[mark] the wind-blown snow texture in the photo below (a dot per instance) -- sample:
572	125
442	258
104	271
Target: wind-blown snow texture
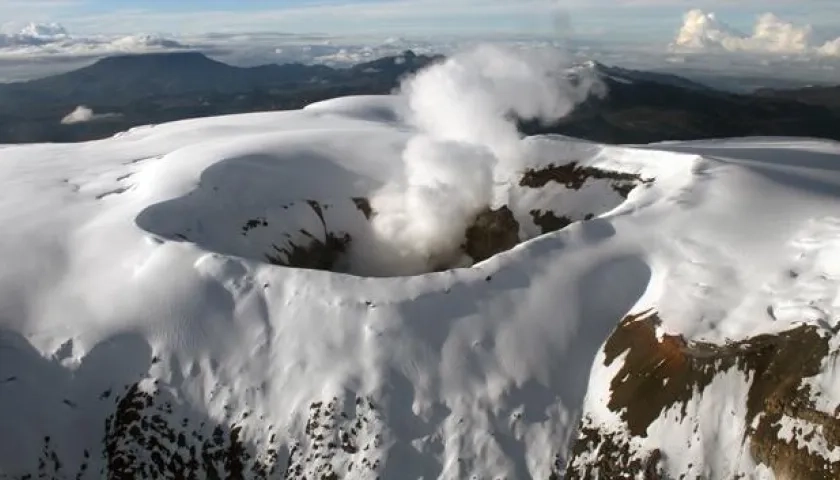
147	330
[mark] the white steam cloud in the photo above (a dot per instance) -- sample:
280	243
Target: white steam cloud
470	98
420	223
703	31
465	111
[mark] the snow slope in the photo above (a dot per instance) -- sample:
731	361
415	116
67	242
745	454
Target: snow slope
148	329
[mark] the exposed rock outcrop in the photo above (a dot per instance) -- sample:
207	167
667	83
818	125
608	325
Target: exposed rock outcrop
492	232
574	176
660	372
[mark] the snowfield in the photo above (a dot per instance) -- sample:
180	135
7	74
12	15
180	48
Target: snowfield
154	322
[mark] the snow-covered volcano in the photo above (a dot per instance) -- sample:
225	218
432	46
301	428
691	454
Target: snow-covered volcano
354	290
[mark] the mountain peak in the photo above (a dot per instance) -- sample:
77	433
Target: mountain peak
190	58
615	74
594	65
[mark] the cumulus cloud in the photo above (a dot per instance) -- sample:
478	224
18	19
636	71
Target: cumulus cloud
52	39
34	34
831	48
83	114
703	31
44	31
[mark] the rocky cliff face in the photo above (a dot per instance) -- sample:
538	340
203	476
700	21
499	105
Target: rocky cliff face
660	379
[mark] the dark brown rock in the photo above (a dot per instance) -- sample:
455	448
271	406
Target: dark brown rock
549	222
659	373
492	232
573	177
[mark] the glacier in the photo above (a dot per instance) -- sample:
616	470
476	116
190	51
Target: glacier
154	322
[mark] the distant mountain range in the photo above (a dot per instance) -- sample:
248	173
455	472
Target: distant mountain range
826	96
644	107
118	80
641	107
155	88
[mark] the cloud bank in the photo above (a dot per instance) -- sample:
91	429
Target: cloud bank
45	39
703	31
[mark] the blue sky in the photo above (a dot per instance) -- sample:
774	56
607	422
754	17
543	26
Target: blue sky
641	20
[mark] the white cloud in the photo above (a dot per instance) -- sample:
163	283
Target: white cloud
49	49
52	39
144	42
831	48
59	50
34	34
83	114
44	31
703	31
